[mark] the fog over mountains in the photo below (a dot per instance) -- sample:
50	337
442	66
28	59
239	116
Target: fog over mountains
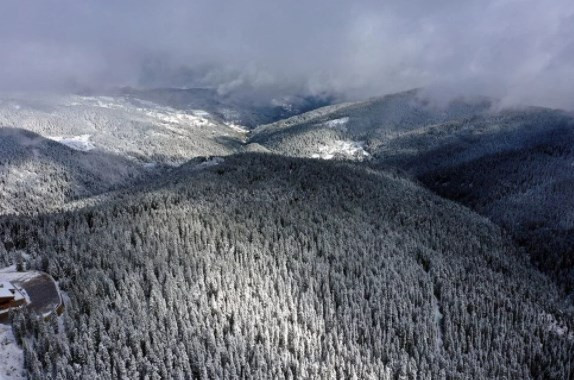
518	51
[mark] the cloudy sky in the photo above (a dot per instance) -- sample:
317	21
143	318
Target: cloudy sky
519	50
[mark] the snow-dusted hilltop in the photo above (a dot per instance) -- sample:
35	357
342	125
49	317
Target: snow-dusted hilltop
131	128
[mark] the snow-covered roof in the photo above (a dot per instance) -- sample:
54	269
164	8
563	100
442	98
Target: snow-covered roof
7	290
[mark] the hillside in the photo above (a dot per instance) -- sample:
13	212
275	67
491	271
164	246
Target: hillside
60	148
39	174
135	129
513	166
247	108
363	126
109	142
266	266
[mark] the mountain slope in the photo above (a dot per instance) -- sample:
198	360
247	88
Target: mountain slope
38	174
512	165
60	148
367	124
248	108
264	266
138	130
516	169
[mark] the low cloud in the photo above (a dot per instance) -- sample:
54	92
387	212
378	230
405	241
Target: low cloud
521	51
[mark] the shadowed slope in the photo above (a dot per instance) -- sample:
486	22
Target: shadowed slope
37	174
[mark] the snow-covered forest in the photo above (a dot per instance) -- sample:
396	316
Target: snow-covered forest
341	246
264	266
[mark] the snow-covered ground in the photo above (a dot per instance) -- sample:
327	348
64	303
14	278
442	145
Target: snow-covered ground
347	149
181	118
201	113
81	142
237	128
153	111
337	122
11	355
437	315
125	127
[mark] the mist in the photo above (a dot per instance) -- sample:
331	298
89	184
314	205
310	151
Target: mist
521	51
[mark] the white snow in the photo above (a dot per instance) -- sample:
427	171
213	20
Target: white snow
11	355
201	113
6	289
337	122
108	104
9	290
348	149
437	315
81	142
179	118
159	114
237	128
11	275
94	101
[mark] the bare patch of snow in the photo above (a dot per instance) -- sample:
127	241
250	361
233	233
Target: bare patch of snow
237	128
346	149
95	101
108	103
337	122
437	316
179	118
11	355
201	113
81	142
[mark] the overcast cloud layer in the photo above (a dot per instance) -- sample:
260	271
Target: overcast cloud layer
518	50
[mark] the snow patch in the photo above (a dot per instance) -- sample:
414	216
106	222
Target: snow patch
99	102
11	355
201	113
437	316
81	142
180	118
336	122
346	149
237	128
